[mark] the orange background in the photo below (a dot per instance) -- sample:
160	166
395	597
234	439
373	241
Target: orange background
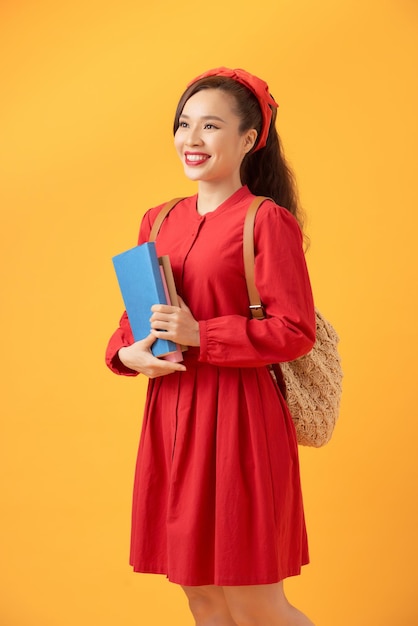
88	92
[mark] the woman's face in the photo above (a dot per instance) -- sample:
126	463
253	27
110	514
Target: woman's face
208	140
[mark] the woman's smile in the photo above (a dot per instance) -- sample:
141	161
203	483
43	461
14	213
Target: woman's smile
195	158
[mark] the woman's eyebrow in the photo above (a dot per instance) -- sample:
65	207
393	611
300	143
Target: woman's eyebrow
205	117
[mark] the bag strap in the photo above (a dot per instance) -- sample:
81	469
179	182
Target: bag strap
164	211
256	307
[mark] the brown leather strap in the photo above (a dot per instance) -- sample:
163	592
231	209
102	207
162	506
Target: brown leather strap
256	307
164	211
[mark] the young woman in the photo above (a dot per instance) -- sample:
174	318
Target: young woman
217	501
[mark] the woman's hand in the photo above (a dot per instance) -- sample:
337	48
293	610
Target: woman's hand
175	323
138	357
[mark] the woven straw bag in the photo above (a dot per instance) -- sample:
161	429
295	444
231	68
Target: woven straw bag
314	381
314	386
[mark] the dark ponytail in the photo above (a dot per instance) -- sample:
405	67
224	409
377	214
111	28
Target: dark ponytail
264	171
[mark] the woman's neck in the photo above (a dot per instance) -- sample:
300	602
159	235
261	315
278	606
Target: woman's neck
210	196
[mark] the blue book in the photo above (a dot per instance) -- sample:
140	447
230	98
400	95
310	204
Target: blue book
141	284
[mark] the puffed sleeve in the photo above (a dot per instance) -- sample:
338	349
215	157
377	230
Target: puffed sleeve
123	334
282	280
120	338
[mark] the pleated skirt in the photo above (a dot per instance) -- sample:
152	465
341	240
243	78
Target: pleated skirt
217	497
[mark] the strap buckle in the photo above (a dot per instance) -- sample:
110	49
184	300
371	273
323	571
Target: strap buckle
257	311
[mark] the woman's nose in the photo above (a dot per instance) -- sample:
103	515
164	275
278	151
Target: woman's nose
193	137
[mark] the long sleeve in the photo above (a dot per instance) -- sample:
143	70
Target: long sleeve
120	338
288	331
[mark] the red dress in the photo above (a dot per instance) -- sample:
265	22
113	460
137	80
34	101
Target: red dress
217	496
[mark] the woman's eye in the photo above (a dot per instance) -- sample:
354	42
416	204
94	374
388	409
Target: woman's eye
182	124
210	126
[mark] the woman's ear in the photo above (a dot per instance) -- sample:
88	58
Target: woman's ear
250	139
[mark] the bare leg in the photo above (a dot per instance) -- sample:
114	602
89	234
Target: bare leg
262	605
208	606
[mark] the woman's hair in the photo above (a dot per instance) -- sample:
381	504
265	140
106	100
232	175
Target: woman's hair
264	171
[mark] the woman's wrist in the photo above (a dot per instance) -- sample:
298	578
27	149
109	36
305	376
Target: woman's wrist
197	332
122	355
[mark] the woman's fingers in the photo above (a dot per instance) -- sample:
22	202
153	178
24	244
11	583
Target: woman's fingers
166	321
175	323
148	341
138	357
165	309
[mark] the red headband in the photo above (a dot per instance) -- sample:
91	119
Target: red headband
257	86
